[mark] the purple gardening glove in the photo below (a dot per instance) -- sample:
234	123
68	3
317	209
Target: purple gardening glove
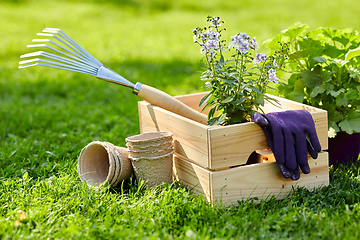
290	134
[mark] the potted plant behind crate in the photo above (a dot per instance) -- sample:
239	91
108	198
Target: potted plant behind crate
324	72
236	76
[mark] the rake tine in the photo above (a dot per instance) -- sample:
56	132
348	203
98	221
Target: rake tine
88	70
75	44
58	51
58	58
85	60
56	65
62	41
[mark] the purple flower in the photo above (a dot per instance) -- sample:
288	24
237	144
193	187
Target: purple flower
215	21
260	57
272	76
212	45
240	42
254	43
210	35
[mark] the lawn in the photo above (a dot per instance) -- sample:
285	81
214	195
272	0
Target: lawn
47	116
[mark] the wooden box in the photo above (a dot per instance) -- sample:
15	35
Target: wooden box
207	154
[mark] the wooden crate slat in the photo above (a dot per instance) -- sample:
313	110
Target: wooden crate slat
257	180
190	137
194	176
264	180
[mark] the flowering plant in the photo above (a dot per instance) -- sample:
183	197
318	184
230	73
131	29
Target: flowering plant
324	67
237	84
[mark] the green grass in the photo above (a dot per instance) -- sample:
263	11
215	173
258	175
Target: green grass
47	116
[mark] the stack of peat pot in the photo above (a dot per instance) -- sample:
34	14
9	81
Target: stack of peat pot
151	155
101	162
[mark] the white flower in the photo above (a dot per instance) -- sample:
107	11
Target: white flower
240	42
275	64
272	76
212	45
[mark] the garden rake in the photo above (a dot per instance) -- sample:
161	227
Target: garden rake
71	56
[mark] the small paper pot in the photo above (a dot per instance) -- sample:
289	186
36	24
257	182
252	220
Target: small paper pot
99	162
146	146
149	140
151	152
154	170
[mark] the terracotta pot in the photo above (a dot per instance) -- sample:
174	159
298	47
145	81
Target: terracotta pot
344	148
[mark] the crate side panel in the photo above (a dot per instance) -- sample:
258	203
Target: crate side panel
190	137
232	145
193	176
264	180
193	100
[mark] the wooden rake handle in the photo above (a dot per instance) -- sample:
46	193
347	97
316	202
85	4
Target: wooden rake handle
159	98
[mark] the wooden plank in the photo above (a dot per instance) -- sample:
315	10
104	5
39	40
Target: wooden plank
190	137
193	176
193	100
232	145
264	179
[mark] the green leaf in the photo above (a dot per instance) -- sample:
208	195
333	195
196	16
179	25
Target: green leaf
341	101
205	99
228	99
352	53
295	30
255	89
351	94
298	93
311	78
320	59
260	99
330	32
335	93
217	120
316	91
240	101
334	116
222	60
212	113
351	123
273	43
